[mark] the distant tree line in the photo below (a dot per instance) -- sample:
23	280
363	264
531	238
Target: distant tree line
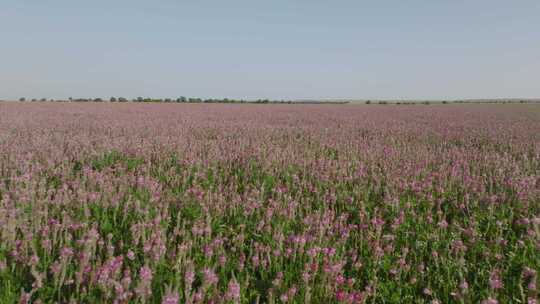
181	99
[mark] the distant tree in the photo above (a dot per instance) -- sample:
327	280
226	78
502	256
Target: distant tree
112	99
22	99
140	99
368	102
98	99
122	99
43	99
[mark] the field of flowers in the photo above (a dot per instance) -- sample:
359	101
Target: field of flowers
195	203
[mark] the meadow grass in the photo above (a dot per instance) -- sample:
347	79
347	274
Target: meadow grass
271	204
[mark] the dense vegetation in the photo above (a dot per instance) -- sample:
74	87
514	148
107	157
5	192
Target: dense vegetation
158	203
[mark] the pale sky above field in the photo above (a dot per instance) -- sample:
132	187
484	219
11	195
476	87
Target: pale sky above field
270	49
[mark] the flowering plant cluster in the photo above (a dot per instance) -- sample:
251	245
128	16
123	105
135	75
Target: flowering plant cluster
197	203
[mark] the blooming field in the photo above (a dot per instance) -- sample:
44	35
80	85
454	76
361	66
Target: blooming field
160	203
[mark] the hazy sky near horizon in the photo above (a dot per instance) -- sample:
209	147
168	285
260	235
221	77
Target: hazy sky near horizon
270	49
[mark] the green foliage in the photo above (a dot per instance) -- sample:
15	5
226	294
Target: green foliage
112	159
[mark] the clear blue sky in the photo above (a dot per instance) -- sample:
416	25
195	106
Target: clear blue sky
270	49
